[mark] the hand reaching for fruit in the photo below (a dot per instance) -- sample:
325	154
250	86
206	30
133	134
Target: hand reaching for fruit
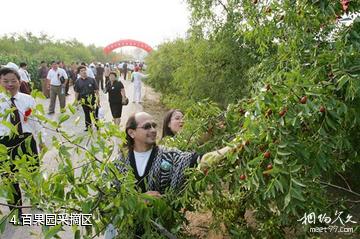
211	158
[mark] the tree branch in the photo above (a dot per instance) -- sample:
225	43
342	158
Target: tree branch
15	206
341	188
225	8
344	181
163	230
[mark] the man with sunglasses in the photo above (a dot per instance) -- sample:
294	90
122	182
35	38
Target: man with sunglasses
156	168
161	167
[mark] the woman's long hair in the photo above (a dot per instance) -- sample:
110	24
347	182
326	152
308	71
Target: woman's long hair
166	129
130	124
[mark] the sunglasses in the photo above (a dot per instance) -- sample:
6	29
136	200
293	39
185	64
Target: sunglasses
148	126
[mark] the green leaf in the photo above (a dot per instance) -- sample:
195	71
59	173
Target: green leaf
287	200
77	234
283	153
279	185
297	182
72	109
282	146
296	168
297	194
53	231
254	161
63	118
278	161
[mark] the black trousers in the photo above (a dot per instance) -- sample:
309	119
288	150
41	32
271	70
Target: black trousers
67	87
88	109
100	83
124	73
13	144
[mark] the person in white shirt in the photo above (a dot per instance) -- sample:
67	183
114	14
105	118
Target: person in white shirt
25	86
137	78
58	79
26	128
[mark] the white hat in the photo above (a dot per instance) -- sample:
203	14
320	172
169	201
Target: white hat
12	66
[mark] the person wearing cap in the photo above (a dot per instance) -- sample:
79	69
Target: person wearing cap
42	74
137	78
58	79
25	79
12	65
25	129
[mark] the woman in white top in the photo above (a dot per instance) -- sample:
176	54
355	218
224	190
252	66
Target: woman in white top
137	78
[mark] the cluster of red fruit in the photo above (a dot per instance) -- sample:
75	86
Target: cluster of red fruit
266	155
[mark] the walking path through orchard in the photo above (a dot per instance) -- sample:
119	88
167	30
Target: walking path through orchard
49	162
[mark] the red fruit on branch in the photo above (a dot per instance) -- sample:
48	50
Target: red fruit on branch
206	171
242	177
28	112
242	111
267	154
322	109
303	100
282	113
269	166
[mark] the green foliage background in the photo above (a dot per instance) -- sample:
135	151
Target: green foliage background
34	49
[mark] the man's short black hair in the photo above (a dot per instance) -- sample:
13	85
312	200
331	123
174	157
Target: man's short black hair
81	67
113	73
5	71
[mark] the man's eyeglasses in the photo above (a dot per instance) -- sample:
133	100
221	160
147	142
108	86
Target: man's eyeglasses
148	126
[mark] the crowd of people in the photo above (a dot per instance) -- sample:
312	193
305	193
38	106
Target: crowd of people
57	77
155	167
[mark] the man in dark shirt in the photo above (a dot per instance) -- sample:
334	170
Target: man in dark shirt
42	72
100	76
124	70
87	91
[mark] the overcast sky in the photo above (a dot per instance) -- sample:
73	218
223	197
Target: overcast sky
97	22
